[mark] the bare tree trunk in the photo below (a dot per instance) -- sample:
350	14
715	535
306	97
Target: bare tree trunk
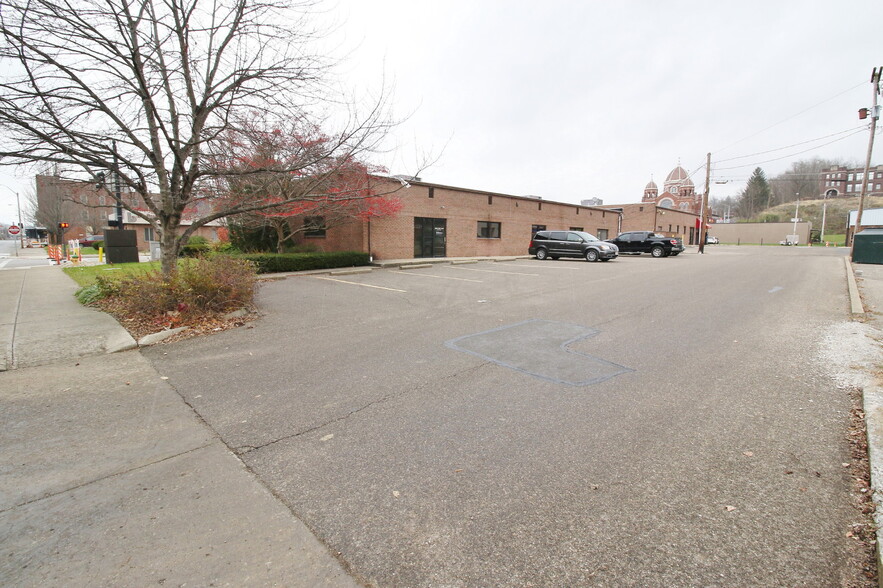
280	237
170	246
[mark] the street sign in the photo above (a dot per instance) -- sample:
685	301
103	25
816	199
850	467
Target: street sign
795	220
13	230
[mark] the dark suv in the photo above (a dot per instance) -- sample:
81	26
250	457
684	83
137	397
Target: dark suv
557	244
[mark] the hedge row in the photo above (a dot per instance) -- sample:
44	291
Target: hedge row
268	263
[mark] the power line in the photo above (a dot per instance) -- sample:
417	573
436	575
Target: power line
862	83
793	144
793	154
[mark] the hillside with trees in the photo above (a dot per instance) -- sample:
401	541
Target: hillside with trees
774	199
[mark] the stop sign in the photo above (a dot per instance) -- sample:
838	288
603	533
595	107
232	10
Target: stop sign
13	230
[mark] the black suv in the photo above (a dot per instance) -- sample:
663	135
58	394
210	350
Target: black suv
557	244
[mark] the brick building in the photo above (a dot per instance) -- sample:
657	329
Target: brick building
87	210
678	192
444	221
847	181
670	222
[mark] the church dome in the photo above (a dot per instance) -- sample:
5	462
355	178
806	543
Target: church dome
651	185
677	175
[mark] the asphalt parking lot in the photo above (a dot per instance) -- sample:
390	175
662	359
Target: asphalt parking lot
649	422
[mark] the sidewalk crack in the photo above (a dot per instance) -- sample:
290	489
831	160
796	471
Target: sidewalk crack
107	477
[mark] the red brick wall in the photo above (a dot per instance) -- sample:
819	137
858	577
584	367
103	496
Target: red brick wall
649	217
393	238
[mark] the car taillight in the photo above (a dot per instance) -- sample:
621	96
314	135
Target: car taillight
674	242
531	243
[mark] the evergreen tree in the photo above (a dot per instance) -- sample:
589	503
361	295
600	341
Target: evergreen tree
756	195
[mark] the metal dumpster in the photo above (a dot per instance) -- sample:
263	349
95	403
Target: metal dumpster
868	247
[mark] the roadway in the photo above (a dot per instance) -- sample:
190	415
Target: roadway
641	422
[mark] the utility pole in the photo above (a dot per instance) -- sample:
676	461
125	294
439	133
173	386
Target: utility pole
703	215
875	114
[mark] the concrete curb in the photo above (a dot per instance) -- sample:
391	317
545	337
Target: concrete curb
155	338
855	299
119	341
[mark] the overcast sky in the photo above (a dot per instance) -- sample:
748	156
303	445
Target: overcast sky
571	100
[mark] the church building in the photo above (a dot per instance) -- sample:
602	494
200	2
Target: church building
678	192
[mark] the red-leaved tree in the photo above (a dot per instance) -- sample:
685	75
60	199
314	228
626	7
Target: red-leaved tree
297	180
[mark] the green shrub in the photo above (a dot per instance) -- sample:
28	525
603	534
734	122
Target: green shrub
197	240
98	290
97	245
268	263
253	240
302	248
194	250
224	247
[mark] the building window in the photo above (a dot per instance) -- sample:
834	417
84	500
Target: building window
602	234
534	229
850	177
640	209
149	234
490	200
431	192
849	188
314	226
577	229
488	230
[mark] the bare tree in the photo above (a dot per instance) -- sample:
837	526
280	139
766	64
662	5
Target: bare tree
148	88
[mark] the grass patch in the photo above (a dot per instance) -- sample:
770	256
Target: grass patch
88	275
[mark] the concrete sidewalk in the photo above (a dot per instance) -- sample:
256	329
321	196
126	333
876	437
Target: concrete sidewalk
109	478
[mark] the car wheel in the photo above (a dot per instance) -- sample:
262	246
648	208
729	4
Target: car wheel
542	254
657	251
591	255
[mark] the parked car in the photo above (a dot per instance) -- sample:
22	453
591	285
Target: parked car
711	240
638	242
557	244
90	240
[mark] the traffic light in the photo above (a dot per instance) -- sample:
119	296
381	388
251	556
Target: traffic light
63	225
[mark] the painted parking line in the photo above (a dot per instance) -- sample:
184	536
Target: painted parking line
469	269
546	266
419	275
358	284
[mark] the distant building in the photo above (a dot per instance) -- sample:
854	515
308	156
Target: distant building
872	218
592	202
88	209
847	181
678	192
